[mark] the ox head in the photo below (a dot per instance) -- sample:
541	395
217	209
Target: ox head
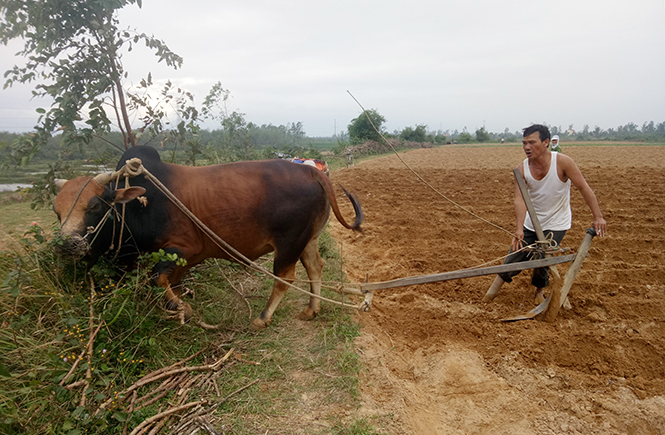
80	205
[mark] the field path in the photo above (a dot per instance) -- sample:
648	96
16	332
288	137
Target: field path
439	361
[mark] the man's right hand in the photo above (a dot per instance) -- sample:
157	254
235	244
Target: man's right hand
518	239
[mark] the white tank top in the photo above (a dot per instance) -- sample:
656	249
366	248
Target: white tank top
550	197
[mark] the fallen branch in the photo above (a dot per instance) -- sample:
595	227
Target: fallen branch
150	378
80	357
153	400
239	357
195	417
221	402
74	385
174	365
91	324
238	391
138	429
164	388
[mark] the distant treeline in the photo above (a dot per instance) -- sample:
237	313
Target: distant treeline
221	145
649	132
631	132
250	141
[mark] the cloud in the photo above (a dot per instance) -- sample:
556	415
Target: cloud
444	64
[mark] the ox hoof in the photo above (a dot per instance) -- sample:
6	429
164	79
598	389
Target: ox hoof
187	310
307	314
182	309
172	305
540	298
258	324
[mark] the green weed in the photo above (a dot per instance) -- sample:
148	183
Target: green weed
50	309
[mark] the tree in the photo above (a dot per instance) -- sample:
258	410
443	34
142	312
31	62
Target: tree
74	55
295	133
482	135
361	129
418	134
464	137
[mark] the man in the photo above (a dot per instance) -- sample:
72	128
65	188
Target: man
555	144
548	176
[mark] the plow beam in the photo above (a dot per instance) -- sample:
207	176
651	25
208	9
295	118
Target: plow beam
466	273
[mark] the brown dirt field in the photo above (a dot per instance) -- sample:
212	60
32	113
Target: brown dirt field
439	361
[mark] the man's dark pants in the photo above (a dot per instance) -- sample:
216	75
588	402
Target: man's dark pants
541	276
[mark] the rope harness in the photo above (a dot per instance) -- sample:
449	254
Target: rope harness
134	167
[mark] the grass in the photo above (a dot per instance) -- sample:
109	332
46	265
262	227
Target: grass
306	371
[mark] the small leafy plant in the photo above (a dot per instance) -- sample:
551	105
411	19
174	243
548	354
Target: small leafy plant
161	255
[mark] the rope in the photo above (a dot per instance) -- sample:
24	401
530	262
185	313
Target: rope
74	203
421	178
134	167
92	230
224	246
122	218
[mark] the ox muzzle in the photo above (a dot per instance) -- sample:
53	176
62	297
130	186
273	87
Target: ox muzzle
73	246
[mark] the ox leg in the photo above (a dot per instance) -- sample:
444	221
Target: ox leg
313	263
168	274
278	291
173	301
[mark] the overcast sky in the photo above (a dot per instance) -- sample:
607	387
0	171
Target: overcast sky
446	64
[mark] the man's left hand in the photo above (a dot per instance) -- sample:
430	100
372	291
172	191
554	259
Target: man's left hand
600	226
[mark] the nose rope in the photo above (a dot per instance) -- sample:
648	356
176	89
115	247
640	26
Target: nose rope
93	230
122	218
74	203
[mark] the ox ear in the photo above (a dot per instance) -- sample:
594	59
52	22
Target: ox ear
123	196
59	182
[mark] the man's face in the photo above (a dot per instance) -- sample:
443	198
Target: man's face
533	146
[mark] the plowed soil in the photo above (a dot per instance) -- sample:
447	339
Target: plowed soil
440	361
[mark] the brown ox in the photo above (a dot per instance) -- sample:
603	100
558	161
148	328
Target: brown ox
256	207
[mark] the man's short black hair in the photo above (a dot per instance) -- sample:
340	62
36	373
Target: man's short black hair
542	130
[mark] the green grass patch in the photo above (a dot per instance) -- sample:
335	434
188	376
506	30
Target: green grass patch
290	374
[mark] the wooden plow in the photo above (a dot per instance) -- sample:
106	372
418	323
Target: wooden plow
546	311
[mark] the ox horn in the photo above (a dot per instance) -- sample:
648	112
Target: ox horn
105	178
59	183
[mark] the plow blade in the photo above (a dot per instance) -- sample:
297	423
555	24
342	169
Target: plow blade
548	310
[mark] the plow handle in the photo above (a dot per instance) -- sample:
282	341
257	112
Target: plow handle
559	295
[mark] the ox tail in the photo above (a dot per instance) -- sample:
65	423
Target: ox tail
360	217
328	187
